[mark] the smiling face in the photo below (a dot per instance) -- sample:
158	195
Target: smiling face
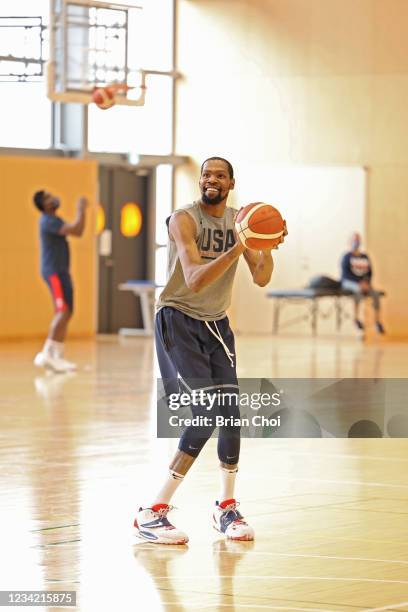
215	182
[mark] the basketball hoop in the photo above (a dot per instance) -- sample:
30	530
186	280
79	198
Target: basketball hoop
106	97
89	52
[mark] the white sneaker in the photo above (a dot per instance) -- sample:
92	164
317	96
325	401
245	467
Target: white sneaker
39	360
154	526
43	360
230	522
68	365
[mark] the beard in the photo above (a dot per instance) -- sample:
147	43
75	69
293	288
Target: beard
212	201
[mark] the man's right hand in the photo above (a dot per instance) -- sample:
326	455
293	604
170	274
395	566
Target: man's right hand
239	246
365	286
83	204
77	227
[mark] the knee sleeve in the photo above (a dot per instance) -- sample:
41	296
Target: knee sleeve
229	438
193	441
229	444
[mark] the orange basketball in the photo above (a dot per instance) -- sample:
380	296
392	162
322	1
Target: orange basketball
259	226
103	97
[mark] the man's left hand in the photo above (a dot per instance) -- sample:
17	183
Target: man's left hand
281	240
365	286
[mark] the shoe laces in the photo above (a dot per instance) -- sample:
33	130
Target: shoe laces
163	512
232	507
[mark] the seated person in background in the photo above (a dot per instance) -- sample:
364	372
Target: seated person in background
356	274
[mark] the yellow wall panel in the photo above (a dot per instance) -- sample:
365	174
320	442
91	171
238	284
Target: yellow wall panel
390	120
390	36
341	37
25	304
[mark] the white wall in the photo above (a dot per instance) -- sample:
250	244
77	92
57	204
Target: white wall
322	207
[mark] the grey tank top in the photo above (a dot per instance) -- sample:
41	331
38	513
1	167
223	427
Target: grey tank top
214	236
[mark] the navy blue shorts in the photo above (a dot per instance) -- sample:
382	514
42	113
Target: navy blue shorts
186	349
62	292
191	358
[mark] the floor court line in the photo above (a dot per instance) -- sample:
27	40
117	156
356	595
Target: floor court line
376	511
390	607
250	606
359	483
61	581
55	543
347	539
338	502
292	555
275	577
340	456
267	499
334	506
57	527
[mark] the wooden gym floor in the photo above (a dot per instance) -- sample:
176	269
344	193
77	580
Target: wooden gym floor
78	454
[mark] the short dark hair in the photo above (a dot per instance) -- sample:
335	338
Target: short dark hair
38	198
230	168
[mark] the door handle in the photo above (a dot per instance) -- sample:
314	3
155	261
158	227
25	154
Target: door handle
105	243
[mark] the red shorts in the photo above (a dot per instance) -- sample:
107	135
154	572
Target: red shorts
60	285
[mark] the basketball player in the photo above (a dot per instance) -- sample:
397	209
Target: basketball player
55	272
195	344
356	275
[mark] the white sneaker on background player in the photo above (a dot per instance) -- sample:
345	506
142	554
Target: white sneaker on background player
58	353
153	525
230	522
45	360
68	365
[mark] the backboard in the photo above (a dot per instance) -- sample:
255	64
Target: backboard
89	48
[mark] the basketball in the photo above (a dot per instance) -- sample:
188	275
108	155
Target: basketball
103	97
259	226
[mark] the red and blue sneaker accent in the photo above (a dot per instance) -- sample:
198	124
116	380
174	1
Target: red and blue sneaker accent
154	526
230	522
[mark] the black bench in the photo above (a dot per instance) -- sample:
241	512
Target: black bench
312	297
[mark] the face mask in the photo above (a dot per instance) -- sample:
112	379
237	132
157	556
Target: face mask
56	203
355	245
